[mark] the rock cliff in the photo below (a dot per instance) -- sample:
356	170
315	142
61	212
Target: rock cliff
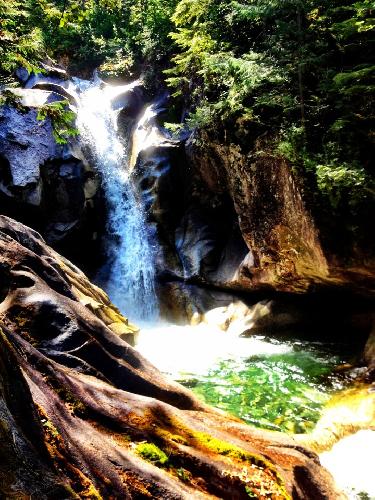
50	186
239	220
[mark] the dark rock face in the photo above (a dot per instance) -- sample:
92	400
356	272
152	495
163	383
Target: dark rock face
235	225
49	186
158	178
77	403
197	229
284	252
287	245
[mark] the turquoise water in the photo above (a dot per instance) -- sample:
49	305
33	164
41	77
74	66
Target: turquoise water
272	383
283	391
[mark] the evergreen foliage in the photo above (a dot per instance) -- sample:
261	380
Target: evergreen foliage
21	41
62	119
300	71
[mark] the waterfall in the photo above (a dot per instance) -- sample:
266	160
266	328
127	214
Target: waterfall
129	273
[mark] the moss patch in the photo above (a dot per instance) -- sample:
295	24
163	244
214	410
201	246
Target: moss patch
203	440
75	406
151	453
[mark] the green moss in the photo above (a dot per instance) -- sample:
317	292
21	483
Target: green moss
235	452
151	453
76	406
62	120
168	436
4	426
48	425
184	475
229	450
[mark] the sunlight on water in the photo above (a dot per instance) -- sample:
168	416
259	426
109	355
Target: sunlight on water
268	383
178	350
128	277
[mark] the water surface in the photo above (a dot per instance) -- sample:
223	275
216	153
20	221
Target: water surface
273	384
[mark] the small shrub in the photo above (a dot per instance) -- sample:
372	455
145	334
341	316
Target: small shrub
9	98
337	181
62	119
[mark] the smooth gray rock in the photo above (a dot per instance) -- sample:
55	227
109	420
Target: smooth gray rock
59	89
22	74
25	145
47	185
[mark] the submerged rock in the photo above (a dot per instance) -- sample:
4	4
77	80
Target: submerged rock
83	415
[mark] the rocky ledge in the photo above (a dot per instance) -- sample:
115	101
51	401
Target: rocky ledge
83	415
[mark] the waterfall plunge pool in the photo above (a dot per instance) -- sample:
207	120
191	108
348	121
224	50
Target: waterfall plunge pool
274	384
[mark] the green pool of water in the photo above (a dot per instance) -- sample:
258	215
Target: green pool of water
284	391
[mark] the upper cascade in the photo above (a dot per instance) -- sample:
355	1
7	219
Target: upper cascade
129	273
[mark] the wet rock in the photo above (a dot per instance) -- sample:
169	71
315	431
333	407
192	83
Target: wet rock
157	175
22	74
208	247
78	405
285	252
130	100
182	303
57	88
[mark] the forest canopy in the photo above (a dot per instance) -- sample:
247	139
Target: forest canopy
300	72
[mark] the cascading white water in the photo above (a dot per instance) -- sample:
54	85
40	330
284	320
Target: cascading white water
129	275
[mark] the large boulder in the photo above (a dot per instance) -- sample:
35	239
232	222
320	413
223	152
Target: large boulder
83	415
47	185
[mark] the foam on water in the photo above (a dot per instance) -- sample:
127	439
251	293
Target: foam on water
351	462
129	274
